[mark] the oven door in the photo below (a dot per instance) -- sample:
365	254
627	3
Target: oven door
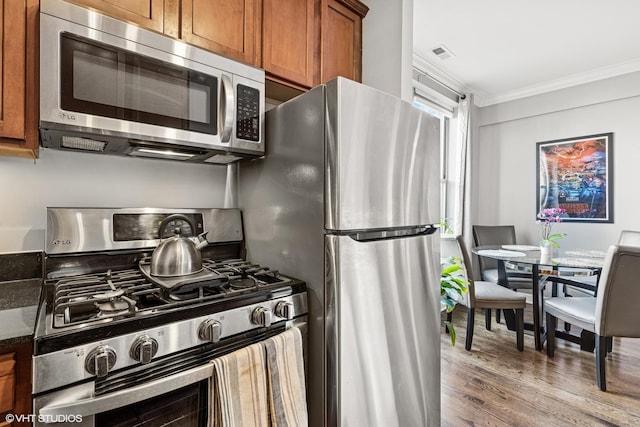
174	391
178	400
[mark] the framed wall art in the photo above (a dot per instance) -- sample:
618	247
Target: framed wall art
575	174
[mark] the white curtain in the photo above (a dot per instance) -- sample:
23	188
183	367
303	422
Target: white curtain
462	207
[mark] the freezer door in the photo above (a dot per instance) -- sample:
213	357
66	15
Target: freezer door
382	332
381	159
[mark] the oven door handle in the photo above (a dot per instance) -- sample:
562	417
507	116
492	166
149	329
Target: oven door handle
96	405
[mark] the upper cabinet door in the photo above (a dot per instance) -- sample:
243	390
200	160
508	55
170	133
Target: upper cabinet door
144	13
342	39
19	78
290	40
12	81
229	27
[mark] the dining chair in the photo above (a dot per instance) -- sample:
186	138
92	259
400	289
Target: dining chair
499	235
612	313
629	238
587	285
485	295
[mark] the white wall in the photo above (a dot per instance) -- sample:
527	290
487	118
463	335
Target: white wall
387	47
85	180
505	156
90	180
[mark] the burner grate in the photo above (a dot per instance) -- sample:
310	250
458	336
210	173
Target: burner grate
119	294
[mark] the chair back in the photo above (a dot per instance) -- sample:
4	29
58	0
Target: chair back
617	313
629	238
492	235
457	248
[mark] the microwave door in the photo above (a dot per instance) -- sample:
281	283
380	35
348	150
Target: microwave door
98	79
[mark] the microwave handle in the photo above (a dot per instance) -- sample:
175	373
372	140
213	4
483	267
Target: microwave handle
226	108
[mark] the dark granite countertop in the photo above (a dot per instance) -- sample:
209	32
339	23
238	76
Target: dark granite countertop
20	286
18	308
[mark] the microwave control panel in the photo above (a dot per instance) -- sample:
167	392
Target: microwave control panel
248	113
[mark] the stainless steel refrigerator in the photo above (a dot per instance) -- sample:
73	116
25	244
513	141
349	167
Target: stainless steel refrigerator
345	199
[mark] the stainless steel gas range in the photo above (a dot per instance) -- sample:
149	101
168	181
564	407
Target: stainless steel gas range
117	345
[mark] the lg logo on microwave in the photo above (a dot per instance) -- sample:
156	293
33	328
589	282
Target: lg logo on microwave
59	242
65	116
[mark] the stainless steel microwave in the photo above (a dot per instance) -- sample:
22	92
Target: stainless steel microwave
113	88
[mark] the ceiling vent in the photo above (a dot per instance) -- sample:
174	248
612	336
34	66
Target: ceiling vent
442	52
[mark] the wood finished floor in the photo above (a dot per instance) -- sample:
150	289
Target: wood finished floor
495	385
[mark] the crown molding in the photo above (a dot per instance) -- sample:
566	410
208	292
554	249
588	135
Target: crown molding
563	83
482	99
422	65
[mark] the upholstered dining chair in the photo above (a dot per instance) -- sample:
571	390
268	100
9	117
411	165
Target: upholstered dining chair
612	313
629	238
587	285
499	235
485	295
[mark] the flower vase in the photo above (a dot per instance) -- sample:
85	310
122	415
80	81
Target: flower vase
545	254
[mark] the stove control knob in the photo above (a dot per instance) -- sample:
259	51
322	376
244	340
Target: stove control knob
210	330
284	309
143	349
100	361
261	316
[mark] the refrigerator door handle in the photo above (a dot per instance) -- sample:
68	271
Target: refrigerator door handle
373	235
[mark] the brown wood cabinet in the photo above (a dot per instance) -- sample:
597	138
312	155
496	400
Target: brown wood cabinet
341	47
299	43
15	382
290	34
19	78
308	42
7	382
231	28
144	13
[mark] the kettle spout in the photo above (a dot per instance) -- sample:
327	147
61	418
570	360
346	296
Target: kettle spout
202	240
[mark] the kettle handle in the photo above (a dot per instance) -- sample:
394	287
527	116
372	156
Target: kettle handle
163	224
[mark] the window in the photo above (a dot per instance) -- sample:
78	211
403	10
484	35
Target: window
450	188
445	120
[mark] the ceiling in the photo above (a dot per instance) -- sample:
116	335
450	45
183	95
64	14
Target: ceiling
508	49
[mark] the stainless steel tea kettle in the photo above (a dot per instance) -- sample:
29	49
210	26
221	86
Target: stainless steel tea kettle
177	255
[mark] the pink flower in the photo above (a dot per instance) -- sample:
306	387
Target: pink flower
546	218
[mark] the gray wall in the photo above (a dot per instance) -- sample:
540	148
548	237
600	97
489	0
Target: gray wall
90	180
504	159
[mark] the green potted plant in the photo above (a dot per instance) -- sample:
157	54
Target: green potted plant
453	286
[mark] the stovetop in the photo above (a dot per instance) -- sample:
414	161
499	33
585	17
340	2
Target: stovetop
86	307
103	313
80	301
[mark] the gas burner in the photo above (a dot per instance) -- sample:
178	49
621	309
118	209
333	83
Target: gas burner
243	283
117	306
198	289
237	269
